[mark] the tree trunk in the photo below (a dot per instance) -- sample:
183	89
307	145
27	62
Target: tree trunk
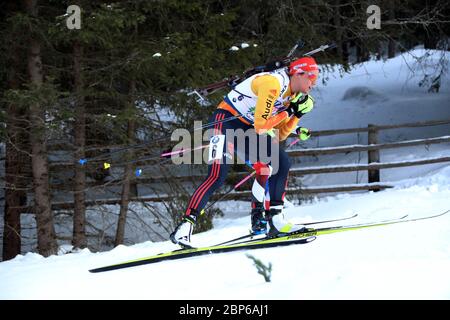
391	41
15	195
79	215
11	235
44	219
128	175
15	182
339	33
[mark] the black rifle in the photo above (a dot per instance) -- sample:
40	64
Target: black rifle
232	81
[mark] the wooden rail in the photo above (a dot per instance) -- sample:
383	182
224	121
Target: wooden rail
373	166
65	165
360	148
236	195
308	170
379	127
364	167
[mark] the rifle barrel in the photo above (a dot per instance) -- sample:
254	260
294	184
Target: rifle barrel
321	48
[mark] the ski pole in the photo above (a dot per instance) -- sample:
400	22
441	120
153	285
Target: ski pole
104	156
170	154
241	182
166	154
292	143
218	122
231	189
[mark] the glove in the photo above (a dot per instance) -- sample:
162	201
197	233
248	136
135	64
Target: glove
300	105
271	133
303	133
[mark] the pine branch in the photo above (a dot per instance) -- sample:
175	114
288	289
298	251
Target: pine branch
265	271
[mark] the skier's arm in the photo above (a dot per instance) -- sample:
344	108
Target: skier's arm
267	88
286	127
298	106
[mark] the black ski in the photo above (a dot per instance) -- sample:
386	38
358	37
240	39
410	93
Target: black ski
186	253
298	237
335	229
326	221
328	230
263	235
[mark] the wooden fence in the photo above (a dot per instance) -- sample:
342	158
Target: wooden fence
373	166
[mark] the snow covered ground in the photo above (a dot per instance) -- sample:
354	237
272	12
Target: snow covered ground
402	261
378	92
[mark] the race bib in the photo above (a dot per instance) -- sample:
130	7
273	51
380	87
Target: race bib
216	147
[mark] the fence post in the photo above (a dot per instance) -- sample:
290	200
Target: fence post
373	155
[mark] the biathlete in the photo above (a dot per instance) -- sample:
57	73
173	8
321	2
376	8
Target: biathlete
270	104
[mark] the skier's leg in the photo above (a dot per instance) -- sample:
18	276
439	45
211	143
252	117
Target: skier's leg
217	168
263	172
277	189
217	173
259	158
278	181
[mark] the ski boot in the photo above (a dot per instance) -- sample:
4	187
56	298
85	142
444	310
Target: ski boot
278	225
259	223
182	233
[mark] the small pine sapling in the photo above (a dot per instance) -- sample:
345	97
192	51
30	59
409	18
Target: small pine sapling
265	271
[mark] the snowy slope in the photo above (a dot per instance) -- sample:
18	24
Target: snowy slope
403	261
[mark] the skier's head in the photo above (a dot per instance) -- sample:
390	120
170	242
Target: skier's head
304	73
